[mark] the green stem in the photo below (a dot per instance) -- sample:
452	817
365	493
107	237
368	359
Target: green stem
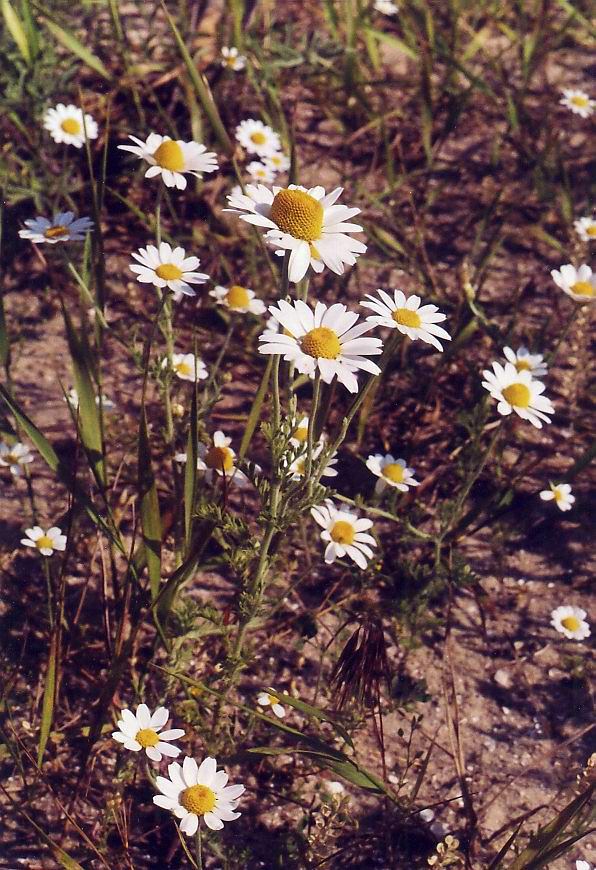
199	847
316	393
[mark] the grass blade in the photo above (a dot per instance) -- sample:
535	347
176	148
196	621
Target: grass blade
73	45
15	27
149	508
49	696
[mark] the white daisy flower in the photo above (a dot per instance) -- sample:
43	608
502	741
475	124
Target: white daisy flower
405	314
582	865
334	788
238	299
307	223
231	59
519	392
172	158
260	172
187	366
15	456
61	228
299	435
265	699
326	339
391	472
65	125
168	267
571	621
277	162
560	494
524	361
345	533
142	730
578	102
72	399
257	138
217	458
586	229
298	465
580	283
386	7
45	542
193	791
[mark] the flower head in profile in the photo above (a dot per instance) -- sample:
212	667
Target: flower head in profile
299	435
45	542
187	367
238	299
63	227
345	534
232	59
586	229
257	138
193	792
580	283
277	162
142	730
578	102
267	699
386	7
68	125
571	622
260	172
524	361
217	458
307	223
326	340
15	457
298	465
519	392
407	315
168	267
560	493
172	158
391	472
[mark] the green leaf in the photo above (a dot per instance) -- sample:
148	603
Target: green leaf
313	712
149	509
75	47
394	41
15	27
49	697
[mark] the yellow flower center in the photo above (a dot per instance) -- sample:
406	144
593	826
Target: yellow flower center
299	214
275	159
237	297
321	342
517	395
55	232
258	138
43	542
342	532
591	231
580	101
300	434
147	737
198	799
522	365
300	466
183	368
168	272
571	623
273	699
219	458
71	126
582	288
405	317
394	472
169	156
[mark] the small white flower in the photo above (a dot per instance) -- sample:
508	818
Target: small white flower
386	7
65	125
61	228
299	435
168	267
14	456
578	102
524	361
277	162
45	542
187	366
142	730
257	138
308	223
193	791
238	299
405	314
345	533
580	283
172	158
586	229
230	59
265	699
560	494
260	172
391	472
325	339
519	392
72	399
571	622
582	865
298	465
217	458
334	788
